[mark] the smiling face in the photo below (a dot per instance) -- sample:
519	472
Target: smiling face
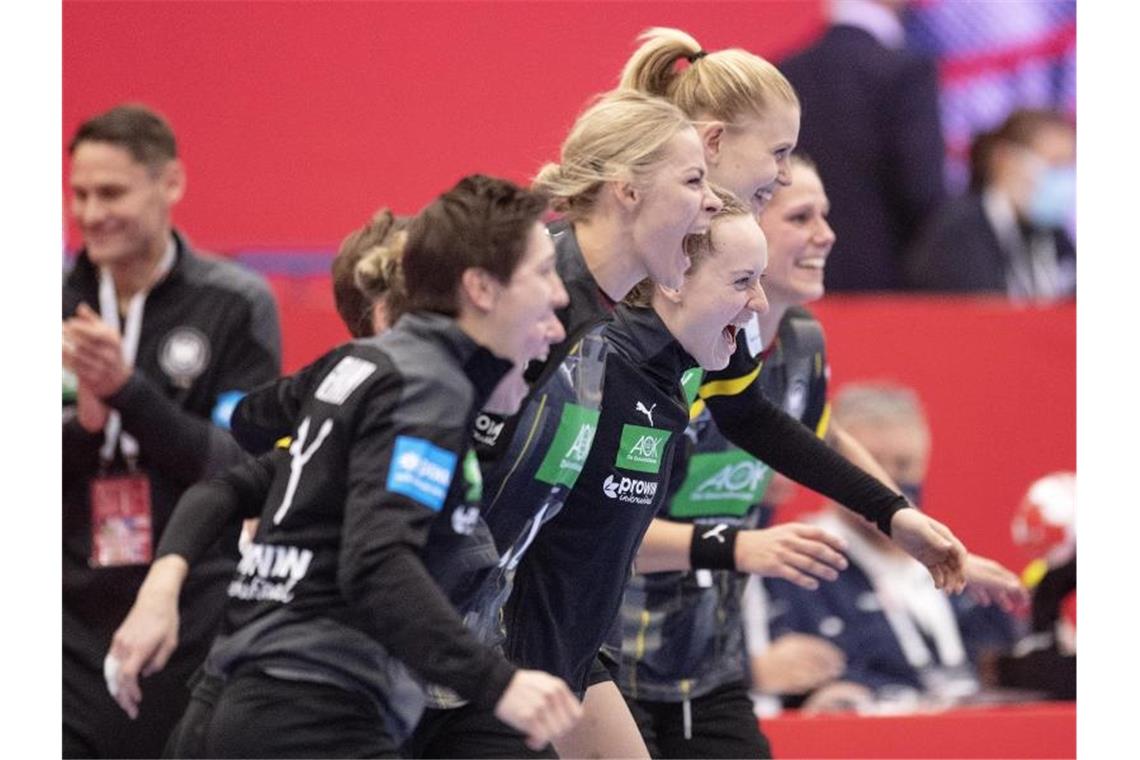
799	239
751	158
721	294
523	308
672	201
122	206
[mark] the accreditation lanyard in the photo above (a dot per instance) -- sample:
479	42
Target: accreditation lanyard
113	435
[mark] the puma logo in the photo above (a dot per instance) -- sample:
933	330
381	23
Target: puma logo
717	533
647	412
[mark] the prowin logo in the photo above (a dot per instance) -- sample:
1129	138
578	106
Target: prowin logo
629	489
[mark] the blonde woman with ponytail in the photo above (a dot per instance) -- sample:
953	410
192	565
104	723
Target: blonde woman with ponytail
747	116
631	184
745	111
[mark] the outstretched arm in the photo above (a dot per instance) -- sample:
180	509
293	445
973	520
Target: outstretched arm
149	634
793	551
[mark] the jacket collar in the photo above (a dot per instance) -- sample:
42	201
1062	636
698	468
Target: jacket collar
483	368
86	274
640	334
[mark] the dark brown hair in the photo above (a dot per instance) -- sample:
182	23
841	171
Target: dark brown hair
482	222
142	132
1019	128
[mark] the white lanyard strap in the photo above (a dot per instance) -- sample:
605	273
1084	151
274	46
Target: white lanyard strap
132	332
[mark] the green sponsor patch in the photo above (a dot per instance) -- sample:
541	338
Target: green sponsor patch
564	459
724	484
641	448
473	476
691	384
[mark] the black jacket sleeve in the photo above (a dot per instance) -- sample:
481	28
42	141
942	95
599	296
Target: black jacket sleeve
380	572
779	440
207	508
184	447
269	412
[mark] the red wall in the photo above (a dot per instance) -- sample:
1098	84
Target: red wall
298	119
999	386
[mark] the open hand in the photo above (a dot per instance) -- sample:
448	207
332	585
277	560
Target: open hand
793	551
988	582
94	352
932	544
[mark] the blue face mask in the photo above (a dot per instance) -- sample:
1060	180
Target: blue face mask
912	492
1054	197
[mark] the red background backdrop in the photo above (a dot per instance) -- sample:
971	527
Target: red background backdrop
297	119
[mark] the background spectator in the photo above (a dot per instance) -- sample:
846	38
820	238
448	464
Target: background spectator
1007	234
195	334
902	640
871	123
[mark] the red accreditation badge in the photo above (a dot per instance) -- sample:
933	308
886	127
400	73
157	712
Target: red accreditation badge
120	521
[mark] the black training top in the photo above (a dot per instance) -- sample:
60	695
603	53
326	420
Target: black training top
366	520
682	633
568	586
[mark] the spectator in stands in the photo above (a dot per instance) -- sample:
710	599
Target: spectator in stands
871	122
1007	234
162	341
902	640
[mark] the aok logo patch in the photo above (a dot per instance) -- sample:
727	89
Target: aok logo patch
725	483
572	441
641	448
421	471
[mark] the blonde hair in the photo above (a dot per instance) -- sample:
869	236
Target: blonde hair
621	136
724	85
381	238
378	274
698	245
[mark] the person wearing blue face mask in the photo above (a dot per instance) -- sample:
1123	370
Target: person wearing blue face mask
1009	233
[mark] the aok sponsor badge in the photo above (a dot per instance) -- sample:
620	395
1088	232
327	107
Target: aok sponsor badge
641	448
572	440
722	484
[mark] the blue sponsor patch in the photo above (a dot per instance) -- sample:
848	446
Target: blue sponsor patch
224	408
421	471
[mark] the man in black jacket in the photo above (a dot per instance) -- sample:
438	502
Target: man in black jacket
871	124
160	343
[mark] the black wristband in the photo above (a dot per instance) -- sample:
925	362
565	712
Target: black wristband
713	547
883	519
